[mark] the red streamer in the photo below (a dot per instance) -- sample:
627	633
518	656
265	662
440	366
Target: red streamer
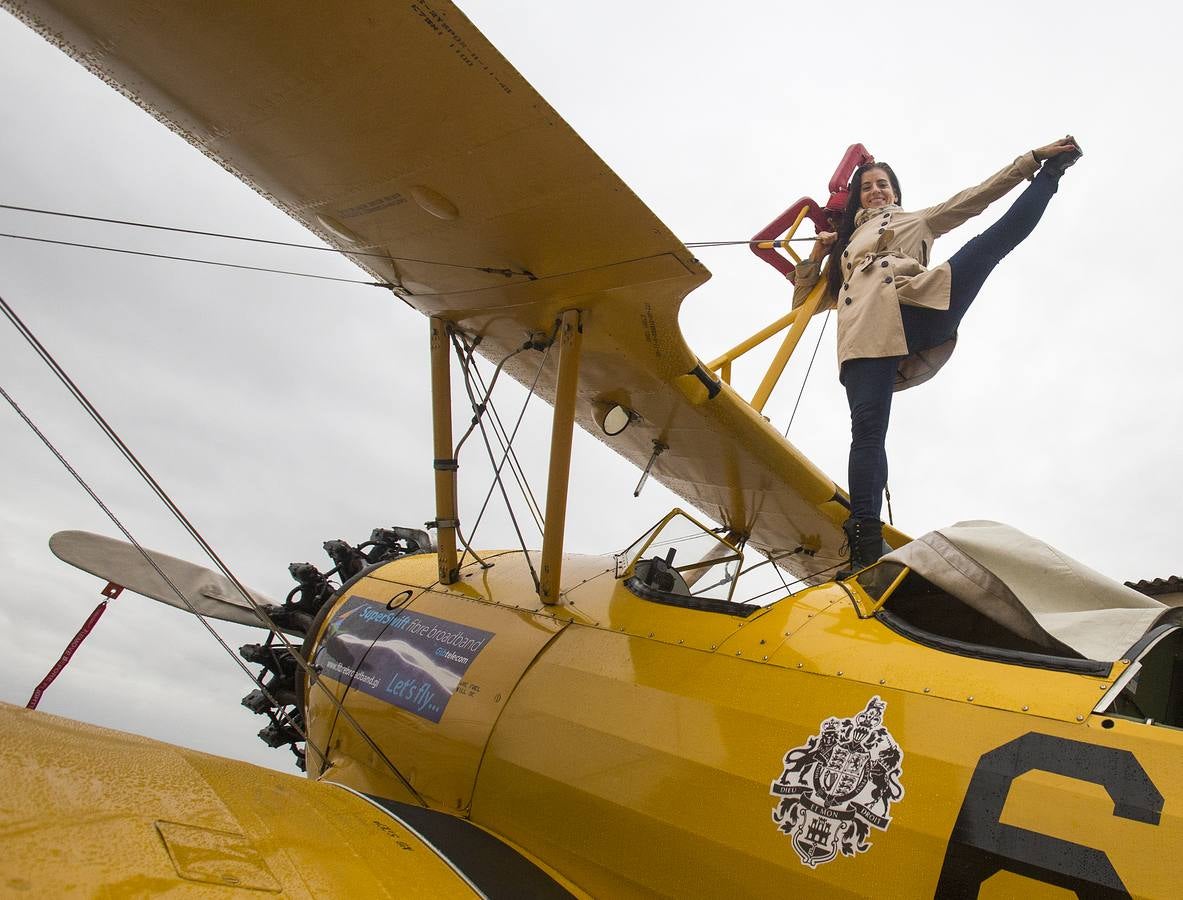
112	591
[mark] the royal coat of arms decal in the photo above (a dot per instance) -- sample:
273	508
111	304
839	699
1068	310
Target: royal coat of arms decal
839	784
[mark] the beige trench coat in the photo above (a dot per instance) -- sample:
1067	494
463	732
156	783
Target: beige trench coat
885	265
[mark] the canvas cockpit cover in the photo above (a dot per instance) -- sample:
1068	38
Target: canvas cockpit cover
1031	589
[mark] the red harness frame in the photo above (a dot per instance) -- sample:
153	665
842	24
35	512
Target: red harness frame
824	218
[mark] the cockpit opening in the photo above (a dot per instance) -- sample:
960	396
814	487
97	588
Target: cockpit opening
681	562
1154	693
919	603
923	612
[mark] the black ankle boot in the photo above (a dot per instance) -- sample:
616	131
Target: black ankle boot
864	537
1058	164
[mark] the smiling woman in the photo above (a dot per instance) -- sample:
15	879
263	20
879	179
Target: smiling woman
898	319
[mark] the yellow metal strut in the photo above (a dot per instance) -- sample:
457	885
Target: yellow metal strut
570	339
445	464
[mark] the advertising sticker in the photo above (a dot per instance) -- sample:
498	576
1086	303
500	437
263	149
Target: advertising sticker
409	659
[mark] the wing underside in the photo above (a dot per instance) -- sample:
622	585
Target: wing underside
399	129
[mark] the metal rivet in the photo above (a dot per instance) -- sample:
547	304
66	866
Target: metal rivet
712	646
926	690
1080	718
1125	662
739	653
1025	708
969	699
883	681
799	665
680	640
810	616
650	634
765	657
761	640
1104	686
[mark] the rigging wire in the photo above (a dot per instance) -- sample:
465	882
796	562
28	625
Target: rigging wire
500	433
310	672
204	262
778	242
478	421
357	666
769	557
809	368
479	409
789	585
497	270
148	558
505	441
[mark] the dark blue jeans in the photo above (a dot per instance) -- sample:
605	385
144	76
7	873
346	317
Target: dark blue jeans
869	381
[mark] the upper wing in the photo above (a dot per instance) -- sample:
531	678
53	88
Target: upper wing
397	128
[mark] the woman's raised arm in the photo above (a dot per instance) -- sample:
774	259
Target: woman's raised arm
946	216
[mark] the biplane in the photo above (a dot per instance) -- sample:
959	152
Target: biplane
976	715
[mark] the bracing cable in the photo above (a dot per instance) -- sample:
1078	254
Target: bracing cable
478	409
148	558
518	423
478	422
505	442
193	259
310	672
808	370
789	586
497	270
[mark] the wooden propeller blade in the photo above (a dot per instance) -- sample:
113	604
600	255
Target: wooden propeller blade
210	593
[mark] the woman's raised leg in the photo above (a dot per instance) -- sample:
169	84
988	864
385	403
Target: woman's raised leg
973	263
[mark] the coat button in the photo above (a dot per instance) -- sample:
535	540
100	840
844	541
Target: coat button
887	280
846	287
848	301
884	264
846	253
881	230
849	266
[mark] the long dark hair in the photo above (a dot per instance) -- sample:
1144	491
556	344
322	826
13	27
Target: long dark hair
854	202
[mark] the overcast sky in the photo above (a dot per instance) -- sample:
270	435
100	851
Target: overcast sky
281	412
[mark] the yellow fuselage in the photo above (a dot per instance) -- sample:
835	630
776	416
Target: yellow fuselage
638	747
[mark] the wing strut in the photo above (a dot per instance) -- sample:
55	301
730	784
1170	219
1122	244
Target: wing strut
445	462
570	341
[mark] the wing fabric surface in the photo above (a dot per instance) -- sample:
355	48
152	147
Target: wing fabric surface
122	815
398	128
